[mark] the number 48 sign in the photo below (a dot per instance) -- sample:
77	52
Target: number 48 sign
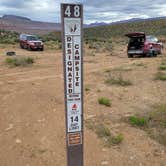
72	24
76	12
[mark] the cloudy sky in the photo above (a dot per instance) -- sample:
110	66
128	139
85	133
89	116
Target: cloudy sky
94	10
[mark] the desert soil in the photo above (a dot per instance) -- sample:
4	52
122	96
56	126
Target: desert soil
32	118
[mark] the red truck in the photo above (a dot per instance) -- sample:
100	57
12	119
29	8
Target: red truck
141	44
31	42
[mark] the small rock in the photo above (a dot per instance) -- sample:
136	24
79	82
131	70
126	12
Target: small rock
54	110
90	116
10	127
18	141
10	82
104	163
162	152
147	154
125	90
131	157
41	120
104	150
156	152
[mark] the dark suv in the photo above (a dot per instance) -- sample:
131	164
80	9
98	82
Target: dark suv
31	42
140	44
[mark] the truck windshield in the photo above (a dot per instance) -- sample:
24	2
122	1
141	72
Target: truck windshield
32	38
151	39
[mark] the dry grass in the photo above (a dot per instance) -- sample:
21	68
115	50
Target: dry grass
153	122
104	133
19	61
117	80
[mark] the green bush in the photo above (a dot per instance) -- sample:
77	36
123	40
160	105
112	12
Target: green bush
104	101
104	133
162	67
52	36
161	76
87	88
154	122
53	44
8	37
19	61
138	121
116	139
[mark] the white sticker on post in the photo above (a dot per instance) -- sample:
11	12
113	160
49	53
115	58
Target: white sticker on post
74	123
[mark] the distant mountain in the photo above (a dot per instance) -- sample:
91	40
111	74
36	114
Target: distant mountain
137	20
26	25
97	24
152	26
16	18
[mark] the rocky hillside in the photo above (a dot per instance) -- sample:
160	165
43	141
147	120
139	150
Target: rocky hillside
26	25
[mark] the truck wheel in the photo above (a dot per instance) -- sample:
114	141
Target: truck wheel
159	52
155	53
21	46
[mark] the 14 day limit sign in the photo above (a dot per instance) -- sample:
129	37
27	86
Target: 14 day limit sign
72	37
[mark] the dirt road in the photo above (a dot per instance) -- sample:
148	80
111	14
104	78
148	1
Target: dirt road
32	124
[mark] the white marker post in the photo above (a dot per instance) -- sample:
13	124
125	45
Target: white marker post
72	37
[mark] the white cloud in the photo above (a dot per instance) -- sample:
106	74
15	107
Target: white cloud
103	10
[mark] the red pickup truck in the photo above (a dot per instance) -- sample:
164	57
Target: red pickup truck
141	44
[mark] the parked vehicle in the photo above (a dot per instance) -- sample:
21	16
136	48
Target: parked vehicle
31	42
141	44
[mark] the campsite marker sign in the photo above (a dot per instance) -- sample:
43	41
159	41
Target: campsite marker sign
72	37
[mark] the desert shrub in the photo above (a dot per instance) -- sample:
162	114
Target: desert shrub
153	122
156	27
160	76
163	65
87	88
99	44
104	101
118	81
138	121
108	47
19	61
8	37
115	140
52	36
109	139
53	44
104	133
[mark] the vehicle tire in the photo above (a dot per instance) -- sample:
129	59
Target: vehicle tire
159	52
42	49
130	56
21	46
155	53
